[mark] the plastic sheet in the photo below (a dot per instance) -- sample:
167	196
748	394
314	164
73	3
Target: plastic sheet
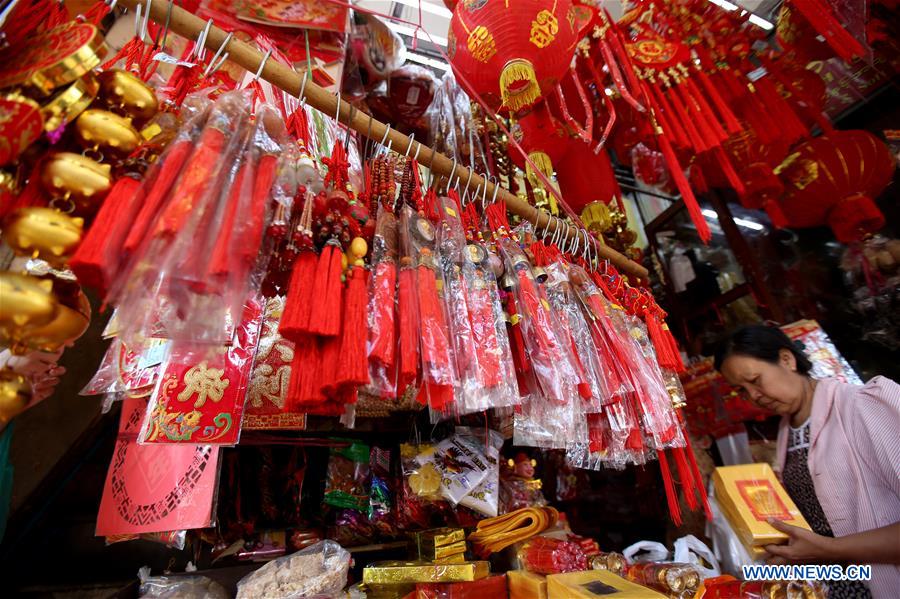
319	571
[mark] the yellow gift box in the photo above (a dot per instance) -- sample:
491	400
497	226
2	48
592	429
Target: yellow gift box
394	572
596	584
749	494
526	585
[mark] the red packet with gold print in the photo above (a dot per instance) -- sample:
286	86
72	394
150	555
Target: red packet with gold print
267	406
199	395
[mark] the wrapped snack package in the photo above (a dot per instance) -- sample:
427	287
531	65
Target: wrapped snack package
492	586
666	577
381	492
545	555
348	469
460	464
485	498
318	571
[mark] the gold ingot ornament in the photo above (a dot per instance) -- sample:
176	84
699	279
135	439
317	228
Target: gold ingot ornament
15	394
72	319
70	176
27	302
124	92
101	130
43	233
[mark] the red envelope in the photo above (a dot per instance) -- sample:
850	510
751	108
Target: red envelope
156	488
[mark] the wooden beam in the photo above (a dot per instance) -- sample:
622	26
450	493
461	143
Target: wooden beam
188	25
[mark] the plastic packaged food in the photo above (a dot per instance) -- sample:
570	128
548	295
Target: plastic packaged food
348	471
460	465
319	571
179	587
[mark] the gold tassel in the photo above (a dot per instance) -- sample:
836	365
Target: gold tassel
515	72
543	163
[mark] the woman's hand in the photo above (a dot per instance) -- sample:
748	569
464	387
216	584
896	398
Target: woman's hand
876	546
803	546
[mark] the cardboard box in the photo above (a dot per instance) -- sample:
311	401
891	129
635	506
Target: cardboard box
749	494
526	585
596	584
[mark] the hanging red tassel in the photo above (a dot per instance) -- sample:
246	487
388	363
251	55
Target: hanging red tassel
732	125
686	477
695	471
329	355
484	333
325	310
725	163
434	338
669	484
253	227
704	109
820	16
407	312
677	362
516	340
687	195
99	252
776	214
666	116
352	362
303	390
295	318
681	116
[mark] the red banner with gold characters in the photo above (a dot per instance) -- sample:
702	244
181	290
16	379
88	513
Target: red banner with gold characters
199	396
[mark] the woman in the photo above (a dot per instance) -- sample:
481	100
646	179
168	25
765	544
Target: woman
838	456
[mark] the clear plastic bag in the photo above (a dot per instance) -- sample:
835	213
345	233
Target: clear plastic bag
180	587
317	572
382	342
460	464
485	498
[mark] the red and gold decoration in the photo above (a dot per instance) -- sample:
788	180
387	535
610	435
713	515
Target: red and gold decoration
833	180
513	53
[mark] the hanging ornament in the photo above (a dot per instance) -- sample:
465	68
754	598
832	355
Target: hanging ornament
43	233
73	315
15	394
75	180
834	180
513	53
28	302
586	177
101	131
123	92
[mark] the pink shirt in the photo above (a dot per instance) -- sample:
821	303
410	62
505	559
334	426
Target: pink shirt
854	460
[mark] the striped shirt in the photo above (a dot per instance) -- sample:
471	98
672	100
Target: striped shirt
854	460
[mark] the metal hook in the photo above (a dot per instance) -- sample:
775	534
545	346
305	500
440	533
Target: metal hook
418	149
213	66
262	65
143	31
137	21
384	138
587	249
165	31
484	191
200	49
412	138
302	96
452	172
337	112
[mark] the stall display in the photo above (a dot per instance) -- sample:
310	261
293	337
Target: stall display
327	338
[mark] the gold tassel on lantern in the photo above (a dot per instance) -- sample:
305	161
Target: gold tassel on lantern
543	163
518	84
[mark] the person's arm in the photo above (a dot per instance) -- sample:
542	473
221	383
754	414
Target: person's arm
876	546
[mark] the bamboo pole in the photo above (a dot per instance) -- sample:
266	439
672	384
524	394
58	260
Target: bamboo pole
188	25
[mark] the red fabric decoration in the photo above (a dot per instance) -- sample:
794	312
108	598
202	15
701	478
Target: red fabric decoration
352	362
325	311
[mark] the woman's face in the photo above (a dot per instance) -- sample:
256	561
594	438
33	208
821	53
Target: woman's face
776	387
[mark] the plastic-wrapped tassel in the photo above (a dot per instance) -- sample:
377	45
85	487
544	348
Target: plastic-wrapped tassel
158	193
352	362
222	253
325	310
99	252
253	226
384	286
684	188
669	484
613	66
732	125
407	312
435	341
484	333
820	16
517	341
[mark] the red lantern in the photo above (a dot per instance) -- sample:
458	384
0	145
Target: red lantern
513	53
833	180
585	177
